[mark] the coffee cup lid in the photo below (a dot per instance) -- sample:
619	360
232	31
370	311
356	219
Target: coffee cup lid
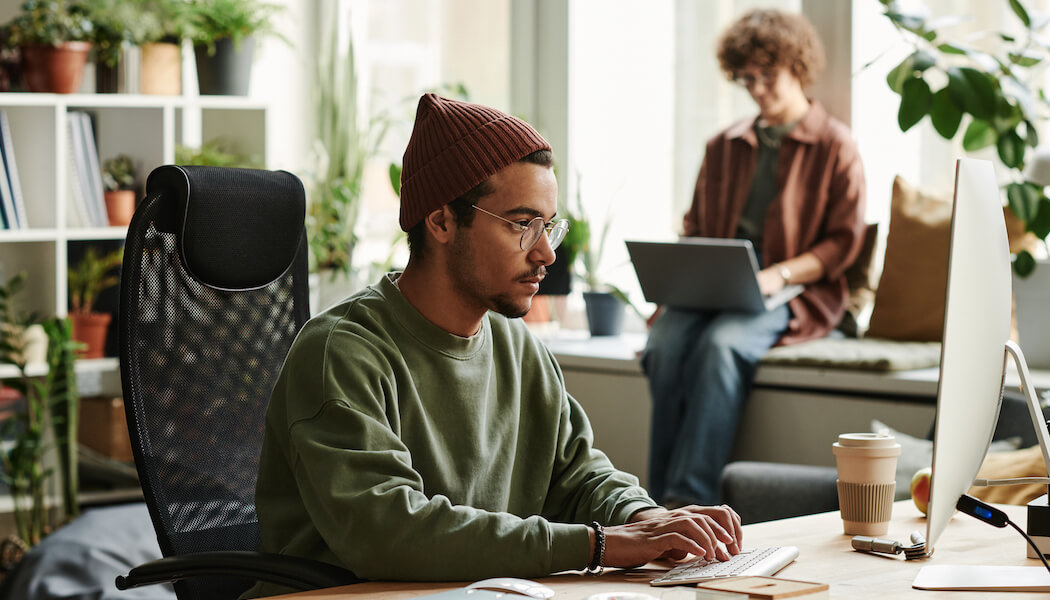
867	440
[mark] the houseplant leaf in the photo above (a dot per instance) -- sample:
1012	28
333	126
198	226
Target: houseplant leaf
1011	149
1023	199
944	114
978	135
916	100
973	91
1024	263
1040	223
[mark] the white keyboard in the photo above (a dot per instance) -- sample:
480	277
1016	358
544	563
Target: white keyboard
756	561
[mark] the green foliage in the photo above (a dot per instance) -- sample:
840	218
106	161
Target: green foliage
47	424
209	21
214	153
999	95
118	173
118	23
49	22
91	276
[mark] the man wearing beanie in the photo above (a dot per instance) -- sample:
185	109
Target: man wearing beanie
418	431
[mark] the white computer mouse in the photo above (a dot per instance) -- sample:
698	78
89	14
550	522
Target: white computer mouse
513	585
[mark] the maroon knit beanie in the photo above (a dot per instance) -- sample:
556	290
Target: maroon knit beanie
454	147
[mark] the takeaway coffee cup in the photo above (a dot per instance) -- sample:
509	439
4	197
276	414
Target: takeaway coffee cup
867	466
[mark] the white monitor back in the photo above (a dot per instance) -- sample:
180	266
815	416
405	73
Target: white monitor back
976	329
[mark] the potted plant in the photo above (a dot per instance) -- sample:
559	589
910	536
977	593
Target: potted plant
53	37
603	302
87	279
988	97
118	177
344	139
43	432
223	33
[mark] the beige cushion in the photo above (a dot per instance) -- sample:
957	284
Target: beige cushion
909	300
848	353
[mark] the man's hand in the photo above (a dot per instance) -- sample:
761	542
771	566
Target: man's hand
659	533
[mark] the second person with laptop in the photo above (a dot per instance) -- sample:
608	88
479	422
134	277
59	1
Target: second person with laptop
789	180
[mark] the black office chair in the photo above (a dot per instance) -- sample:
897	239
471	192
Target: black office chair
213	291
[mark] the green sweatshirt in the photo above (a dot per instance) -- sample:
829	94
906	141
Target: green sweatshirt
403	452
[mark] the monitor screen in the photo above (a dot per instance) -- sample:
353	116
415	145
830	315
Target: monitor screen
976	329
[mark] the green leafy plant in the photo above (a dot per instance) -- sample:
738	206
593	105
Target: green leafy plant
49	22
585	250
209	21
214	153
47	424
992	98
92	275
118	23
345	138
118	173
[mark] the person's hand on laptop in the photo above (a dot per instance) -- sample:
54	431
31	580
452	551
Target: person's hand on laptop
770	281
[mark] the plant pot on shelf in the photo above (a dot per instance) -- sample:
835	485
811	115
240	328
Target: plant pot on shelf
120	206
161	69
604	313
55	69
90	329
228	71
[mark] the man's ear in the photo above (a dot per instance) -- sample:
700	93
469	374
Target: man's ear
441	224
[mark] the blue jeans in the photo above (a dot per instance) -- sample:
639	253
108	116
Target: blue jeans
700	366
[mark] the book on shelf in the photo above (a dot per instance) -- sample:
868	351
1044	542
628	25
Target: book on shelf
87	193
7	146
7	202
94	172
76	204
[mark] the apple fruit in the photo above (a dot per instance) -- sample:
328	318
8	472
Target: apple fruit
920	488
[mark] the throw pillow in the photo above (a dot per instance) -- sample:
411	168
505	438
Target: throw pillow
917	453
1010	465
909	300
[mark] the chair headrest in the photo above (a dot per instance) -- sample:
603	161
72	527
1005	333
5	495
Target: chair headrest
236	228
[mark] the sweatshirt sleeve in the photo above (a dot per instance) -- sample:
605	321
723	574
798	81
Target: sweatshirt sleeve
586	486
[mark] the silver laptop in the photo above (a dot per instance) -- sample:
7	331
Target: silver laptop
703	274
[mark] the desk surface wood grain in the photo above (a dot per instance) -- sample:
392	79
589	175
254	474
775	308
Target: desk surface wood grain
825	556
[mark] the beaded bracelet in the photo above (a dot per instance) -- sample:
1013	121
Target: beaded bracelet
597	566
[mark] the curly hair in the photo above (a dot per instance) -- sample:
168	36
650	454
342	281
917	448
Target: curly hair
771	39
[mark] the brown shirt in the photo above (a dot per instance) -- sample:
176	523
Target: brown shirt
819	208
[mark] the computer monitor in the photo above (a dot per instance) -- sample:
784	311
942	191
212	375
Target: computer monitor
975	345
976	329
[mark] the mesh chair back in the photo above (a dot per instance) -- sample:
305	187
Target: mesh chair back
213	292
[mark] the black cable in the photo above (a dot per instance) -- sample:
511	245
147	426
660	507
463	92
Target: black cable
1031	543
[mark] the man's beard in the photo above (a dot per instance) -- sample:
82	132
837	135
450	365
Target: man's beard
462	272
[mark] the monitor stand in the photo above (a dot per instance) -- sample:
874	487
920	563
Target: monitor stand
985	578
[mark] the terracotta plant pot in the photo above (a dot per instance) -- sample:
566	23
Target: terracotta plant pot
90	329
56	69
161	70
120	206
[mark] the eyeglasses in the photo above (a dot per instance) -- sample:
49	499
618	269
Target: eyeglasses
531	230
748	80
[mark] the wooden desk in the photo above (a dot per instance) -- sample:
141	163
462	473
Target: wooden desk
825	555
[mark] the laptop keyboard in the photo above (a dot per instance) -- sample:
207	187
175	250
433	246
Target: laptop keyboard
756	561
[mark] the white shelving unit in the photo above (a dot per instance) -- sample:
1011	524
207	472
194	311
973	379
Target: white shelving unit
144	127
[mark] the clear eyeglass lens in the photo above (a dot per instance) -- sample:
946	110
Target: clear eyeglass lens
555	233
